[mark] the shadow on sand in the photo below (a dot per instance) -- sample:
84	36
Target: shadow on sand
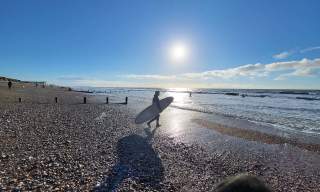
136	160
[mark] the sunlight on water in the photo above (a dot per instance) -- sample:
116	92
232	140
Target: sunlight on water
179	97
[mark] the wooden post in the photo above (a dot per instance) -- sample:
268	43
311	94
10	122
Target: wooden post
84	100
20	99
56	99
107	100
126	100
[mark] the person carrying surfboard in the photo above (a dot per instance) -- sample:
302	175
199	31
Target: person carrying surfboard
152	112
156	102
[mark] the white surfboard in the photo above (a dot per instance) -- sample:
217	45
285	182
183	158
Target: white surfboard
152	111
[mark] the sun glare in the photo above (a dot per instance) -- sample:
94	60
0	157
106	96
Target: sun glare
178	52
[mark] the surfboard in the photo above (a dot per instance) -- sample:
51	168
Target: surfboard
152	111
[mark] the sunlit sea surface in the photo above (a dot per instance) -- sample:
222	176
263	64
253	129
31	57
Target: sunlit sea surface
295	110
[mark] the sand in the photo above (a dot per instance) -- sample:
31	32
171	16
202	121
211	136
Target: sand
83	147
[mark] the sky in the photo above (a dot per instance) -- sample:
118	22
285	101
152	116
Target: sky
167	43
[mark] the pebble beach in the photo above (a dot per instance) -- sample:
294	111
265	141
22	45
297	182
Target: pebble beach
71	146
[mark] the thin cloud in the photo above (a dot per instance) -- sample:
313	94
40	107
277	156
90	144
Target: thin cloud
310	49
282	55
304	68
300	68
286	54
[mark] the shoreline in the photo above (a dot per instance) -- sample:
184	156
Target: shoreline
257	136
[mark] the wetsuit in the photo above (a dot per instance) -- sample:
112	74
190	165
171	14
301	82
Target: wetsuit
156	100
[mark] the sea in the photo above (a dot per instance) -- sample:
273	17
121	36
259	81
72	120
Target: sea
293	110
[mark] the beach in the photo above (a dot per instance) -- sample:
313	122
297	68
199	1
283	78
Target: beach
71	146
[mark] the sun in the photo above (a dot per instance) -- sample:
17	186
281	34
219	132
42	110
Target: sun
178	52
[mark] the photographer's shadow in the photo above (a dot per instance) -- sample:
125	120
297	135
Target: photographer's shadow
136	160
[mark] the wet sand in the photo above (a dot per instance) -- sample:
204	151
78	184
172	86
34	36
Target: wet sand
252	135
84	147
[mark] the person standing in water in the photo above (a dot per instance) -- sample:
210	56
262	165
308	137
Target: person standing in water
9	84
155	101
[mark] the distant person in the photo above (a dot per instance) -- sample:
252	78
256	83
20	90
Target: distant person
9	84
155	101
190	94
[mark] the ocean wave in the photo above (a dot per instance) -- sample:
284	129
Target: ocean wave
309	98
192	109
285	123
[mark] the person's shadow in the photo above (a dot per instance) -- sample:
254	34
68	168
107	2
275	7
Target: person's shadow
136	160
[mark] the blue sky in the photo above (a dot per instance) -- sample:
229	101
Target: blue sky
230	44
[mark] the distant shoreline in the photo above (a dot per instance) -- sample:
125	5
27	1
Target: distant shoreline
6	79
